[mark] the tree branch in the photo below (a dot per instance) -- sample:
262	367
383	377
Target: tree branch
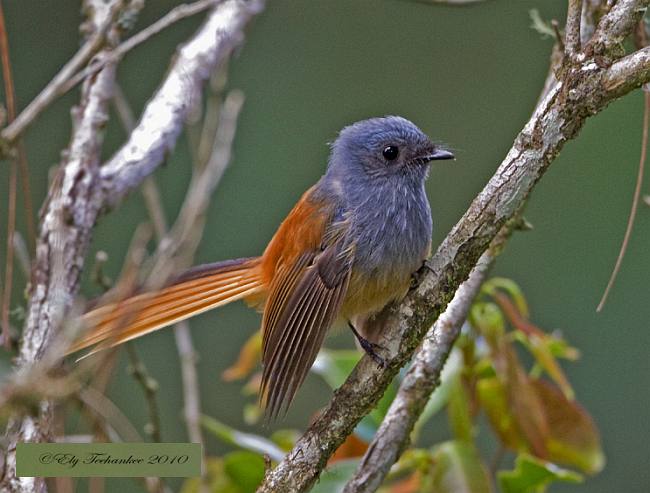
164	116
628	73
591	10
176	14
420	381
578	94
572	28
615	26
54	88
68	219
423	377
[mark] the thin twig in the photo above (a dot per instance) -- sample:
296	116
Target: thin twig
11	197
150	388
165	114
11	116
55	88
555	25
572	28
9	261
116	425
635	202
191	394
176	14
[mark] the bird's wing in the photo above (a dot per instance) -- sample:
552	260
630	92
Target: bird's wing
304	300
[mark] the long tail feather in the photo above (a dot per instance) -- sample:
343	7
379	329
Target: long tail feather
198	290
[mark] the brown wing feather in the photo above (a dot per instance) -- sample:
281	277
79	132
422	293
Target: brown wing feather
293	341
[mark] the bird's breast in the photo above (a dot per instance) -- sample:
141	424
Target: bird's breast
393	237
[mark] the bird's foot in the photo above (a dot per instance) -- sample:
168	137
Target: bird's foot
416	277
370	348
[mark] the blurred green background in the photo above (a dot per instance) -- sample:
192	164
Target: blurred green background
469	77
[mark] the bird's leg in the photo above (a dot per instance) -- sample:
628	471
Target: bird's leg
369	347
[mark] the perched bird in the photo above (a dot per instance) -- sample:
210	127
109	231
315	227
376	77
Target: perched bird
346	250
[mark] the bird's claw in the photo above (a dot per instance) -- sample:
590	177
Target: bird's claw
371	350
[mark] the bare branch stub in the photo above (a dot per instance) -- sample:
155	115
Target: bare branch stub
578	94
572	29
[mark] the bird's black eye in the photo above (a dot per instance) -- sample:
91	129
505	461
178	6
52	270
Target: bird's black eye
390	152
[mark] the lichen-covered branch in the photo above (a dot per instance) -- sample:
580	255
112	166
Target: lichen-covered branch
572	28
61	246
580	92
420	381
615	26
164	115
628	72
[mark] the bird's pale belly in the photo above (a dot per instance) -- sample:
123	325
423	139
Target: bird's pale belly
368	294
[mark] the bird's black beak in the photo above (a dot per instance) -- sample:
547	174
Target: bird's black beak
439	155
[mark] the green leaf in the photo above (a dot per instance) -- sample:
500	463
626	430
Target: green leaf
457	469
493	400
560	348
458	409
247	441
245	469
541	351
566	434
512	288
237	472
524	403
532	475
335	477
488	319
335	366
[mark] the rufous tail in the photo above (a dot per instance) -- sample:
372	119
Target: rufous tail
200	289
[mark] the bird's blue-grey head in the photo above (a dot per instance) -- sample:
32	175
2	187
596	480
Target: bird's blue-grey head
383	147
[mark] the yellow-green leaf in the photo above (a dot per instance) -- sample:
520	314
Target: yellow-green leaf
532	475
457	469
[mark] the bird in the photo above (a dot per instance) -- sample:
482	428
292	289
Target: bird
348	248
